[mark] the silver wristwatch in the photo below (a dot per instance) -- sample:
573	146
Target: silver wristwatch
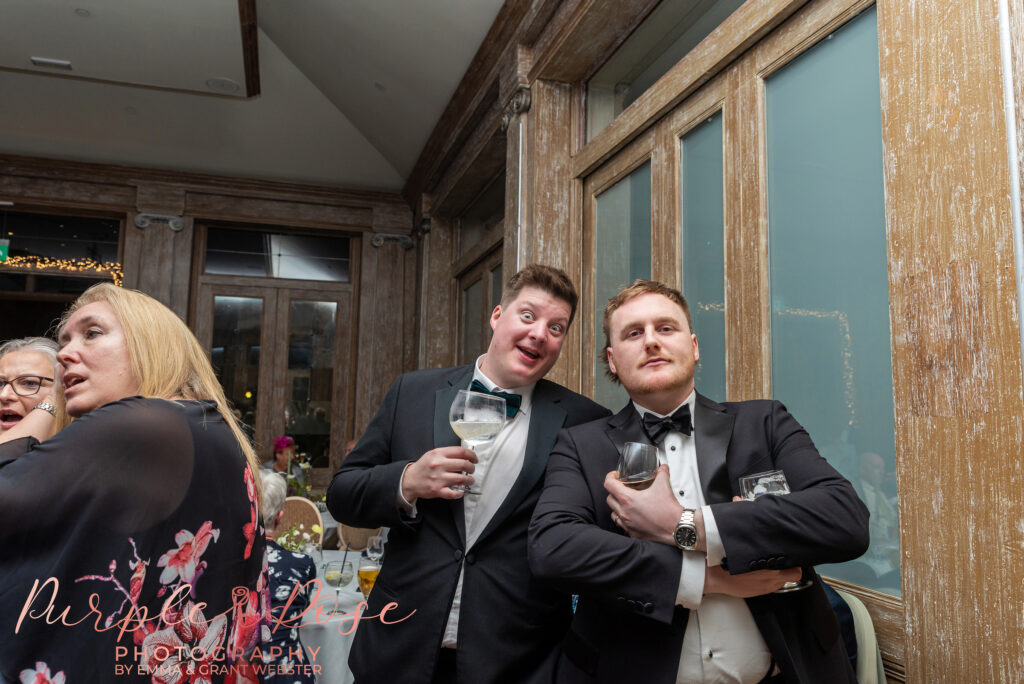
686	531
48	407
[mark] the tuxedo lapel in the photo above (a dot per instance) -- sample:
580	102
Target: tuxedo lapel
444	436
546	418
712	432
625	426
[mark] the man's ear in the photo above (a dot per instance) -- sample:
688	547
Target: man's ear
495	315
611	360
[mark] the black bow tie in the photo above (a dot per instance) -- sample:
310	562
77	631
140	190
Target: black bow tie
656	427
512	401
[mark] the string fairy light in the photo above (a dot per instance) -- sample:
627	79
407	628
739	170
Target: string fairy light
78	265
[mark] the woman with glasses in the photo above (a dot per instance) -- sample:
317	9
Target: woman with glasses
29	380
131	547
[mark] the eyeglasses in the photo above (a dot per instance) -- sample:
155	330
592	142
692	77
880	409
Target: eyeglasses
26	385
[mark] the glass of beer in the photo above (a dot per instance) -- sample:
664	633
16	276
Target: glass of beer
368	571
637	464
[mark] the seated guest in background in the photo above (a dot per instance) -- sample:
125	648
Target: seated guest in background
285	570
29	379
457	566
284	456
657	603
144	509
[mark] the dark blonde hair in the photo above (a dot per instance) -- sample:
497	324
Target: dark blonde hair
635	289
167	359
552	280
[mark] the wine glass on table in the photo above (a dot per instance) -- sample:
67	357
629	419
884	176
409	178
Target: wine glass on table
773	483
375	548
368	571
338	574
476	418
638	464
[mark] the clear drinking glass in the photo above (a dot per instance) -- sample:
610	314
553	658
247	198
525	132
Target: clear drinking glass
375	548
337	574
368	571
637	464
476	418
761	484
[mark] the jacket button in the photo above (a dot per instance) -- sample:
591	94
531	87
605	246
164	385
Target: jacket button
648	608
470	558
458	554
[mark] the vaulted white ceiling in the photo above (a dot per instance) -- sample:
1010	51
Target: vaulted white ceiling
349	89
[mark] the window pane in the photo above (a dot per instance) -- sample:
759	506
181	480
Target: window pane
269	255
60	237
664	37
311	379
703	250
831	353
235	353
472	340
622	254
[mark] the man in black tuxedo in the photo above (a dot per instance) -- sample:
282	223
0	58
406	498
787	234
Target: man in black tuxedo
676	581
457	564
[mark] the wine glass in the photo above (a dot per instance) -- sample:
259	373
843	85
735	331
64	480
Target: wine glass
368	571
771	482
375	548
637	464
337	574
476	418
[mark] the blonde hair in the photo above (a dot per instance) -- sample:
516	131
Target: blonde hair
167	359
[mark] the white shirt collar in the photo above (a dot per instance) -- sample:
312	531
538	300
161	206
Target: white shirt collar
690	401
526	391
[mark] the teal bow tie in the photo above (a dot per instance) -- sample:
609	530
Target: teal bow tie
512	401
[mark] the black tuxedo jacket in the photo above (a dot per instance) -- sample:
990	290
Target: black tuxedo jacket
627	622
510	625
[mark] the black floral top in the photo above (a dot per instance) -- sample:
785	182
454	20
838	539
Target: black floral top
131	549
286	570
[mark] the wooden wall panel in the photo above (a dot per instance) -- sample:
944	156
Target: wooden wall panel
436	304
956	355
548	230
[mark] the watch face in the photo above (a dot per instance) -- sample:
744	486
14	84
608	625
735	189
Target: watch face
686	537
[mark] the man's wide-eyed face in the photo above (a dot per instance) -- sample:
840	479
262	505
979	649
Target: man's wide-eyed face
653	351
528	337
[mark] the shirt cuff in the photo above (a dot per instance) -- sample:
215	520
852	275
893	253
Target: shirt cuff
691	580
408	508
712	539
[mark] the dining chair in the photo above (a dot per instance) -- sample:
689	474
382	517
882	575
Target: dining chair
298	509
354	538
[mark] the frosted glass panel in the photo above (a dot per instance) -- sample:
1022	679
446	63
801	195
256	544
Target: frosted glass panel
703	250
623	254
831	354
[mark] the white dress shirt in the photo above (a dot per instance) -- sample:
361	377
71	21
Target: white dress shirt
499	464
722	643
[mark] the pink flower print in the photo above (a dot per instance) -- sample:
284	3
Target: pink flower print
138	577
249	529
184	561
185	652
40	675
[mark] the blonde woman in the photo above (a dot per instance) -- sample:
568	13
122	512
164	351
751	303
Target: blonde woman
30	380
144	511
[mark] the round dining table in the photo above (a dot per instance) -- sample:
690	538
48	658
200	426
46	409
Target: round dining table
329	627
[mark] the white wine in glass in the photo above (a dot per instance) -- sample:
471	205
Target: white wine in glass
770	483
476	418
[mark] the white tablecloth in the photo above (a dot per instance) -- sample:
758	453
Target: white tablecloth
325	632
